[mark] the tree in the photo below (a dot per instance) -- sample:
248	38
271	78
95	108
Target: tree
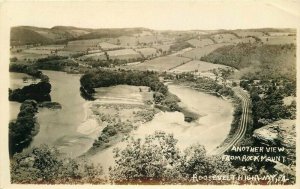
24	128
44	164
153	159
158	97
195	161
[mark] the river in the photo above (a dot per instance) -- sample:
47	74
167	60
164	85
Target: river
73	132
70	128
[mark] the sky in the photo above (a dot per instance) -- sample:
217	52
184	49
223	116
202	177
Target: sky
161	15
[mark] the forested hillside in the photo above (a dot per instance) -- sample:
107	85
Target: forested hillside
258	61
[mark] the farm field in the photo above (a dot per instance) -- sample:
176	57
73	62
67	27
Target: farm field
244	40
200	43
27	56
179	53
124	94
94	56
249	33
66	53
123	54
108	46
124	41
279	40
280	33
147	52
224	38
161	63
83	45
148	39
47	49
94	51
165	47
196	65
143	33
197	53
51	47
37	51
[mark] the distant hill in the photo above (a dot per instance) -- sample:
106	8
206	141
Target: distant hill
25	35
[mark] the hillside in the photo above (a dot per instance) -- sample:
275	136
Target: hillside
256	61
23	36
26	35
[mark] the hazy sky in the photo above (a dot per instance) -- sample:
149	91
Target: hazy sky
177	15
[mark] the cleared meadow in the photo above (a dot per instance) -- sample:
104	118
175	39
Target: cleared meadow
123	54
27	56
197	53
83	45
249	33
161	63
147	52
224	38
200	43
94	56
108	46
197	65
279	40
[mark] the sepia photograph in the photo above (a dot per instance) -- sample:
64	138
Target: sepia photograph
149	93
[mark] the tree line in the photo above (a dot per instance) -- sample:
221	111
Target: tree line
107	78
24	128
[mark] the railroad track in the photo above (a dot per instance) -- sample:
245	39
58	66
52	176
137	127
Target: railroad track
241	130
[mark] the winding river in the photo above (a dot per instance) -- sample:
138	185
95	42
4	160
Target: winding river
71	130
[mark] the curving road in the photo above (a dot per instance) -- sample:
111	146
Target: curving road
241	130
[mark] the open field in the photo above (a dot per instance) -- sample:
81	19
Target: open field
47	49
124	41
94	56
280	33
94	51
37	51
66	53
197	53
279	40
123	54
249	33
27	56
244	40
108	46
224	38
161	63
147	52
165	47
51	47
123	94
180	52
143	33
196	65
19	80
148	39
200	43
83	45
